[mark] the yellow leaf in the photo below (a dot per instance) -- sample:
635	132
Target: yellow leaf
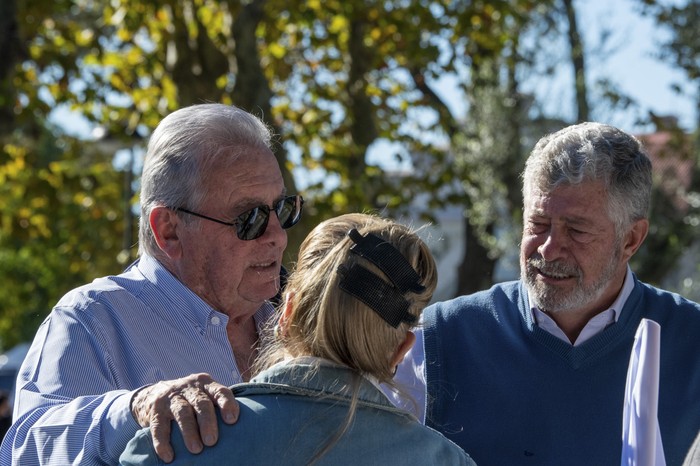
315	5
84	37
124	35
276	50
309	117
338	24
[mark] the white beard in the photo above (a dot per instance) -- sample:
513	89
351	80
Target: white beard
554	299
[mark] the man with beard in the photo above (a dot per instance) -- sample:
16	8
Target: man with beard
533	372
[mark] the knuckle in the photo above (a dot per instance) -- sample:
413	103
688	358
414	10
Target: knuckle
180	409
201	402
219	392
202	378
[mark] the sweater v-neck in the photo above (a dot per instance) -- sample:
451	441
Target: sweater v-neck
598	346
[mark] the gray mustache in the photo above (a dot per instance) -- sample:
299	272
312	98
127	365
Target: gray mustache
552	268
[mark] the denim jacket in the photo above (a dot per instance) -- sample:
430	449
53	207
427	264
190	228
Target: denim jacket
292	410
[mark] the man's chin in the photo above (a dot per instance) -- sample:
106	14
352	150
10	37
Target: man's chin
548	299
269	289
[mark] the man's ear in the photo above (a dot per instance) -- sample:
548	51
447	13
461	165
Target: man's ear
403	348
635	237
164	224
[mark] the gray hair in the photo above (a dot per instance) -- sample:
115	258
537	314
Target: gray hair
181	152
590	152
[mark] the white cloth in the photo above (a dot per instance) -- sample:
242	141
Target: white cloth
641	436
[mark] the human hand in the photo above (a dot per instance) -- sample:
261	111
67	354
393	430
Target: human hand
189	401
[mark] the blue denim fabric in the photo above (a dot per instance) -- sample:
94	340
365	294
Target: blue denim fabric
290	411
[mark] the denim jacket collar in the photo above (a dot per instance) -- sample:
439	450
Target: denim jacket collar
316	377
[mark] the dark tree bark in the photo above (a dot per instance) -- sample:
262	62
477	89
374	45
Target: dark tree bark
475	273
10	49
363	128
252	91
198	65
578	62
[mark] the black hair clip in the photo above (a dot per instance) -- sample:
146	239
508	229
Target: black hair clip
386	300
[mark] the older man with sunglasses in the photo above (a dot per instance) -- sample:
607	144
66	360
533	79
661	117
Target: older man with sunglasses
159	344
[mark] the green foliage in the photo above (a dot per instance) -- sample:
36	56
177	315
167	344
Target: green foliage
61	226
683	46
333	78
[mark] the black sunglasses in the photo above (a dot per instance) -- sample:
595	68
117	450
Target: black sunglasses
252	223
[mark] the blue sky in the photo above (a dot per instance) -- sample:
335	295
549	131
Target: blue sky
634	65
631	64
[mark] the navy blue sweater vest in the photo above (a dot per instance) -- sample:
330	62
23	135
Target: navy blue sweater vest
510	393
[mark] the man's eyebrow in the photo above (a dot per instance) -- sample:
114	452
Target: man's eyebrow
534	212
575	219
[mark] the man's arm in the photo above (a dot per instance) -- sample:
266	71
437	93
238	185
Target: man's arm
74	404
68	432
96	429
68	409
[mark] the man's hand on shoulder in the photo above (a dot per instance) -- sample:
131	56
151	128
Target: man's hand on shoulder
191	402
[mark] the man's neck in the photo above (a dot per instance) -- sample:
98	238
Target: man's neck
243	337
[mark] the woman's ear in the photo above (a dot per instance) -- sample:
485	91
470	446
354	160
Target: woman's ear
403	348
286	312
164	224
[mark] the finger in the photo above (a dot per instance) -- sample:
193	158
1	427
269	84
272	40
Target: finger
184	414
204	409
224	399
160	432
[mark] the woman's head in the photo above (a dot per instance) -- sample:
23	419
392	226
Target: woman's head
326	315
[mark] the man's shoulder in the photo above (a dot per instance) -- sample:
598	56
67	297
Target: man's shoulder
103	291
83	295
675	313
671	301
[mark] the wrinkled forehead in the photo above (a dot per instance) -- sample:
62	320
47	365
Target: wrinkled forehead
252	173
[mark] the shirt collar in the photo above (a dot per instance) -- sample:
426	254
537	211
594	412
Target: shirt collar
625	292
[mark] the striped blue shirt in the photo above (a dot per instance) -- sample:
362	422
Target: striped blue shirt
100	343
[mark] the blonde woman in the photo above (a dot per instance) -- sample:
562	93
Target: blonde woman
358	288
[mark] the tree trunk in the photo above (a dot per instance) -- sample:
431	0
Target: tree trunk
578	62
475	273
252	91
9	53
361	114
